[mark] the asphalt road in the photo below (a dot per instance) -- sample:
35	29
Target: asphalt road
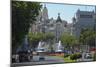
48	60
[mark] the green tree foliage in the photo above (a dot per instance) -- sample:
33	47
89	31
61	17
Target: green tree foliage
34	38
23	14
88	37
75	56
68	40
49	36
94	57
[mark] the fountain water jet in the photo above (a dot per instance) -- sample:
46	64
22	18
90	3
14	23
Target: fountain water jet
59	47
40	52
40	47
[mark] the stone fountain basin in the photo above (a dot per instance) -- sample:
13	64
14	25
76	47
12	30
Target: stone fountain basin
41	53
58	50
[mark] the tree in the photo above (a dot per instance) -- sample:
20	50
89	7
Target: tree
23	14
68	40
49	36
34	38
88	37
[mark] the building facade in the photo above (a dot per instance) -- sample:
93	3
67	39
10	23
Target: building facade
45	24
83	19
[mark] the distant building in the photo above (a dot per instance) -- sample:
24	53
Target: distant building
83	19
45	25
59	28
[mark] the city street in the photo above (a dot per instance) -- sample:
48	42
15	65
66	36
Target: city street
48	60
43	33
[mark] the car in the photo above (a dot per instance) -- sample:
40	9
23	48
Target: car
88	56
24	56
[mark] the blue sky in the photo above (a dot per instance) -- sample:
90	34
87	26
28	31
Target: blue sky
66	11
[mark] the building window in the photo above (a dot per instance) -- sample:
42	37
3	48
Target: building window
86	16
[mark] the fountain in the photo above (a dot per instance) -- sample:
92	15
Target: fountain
59	47
40	52
40	47
25	46
24	51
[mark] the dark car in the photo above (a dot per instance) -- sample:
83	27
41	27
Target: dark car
24	56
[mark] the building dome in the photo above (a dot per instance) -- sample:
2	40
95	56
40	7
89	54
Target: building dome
58	19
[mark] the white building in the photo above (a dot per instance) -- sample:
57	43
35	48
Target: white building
45	24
